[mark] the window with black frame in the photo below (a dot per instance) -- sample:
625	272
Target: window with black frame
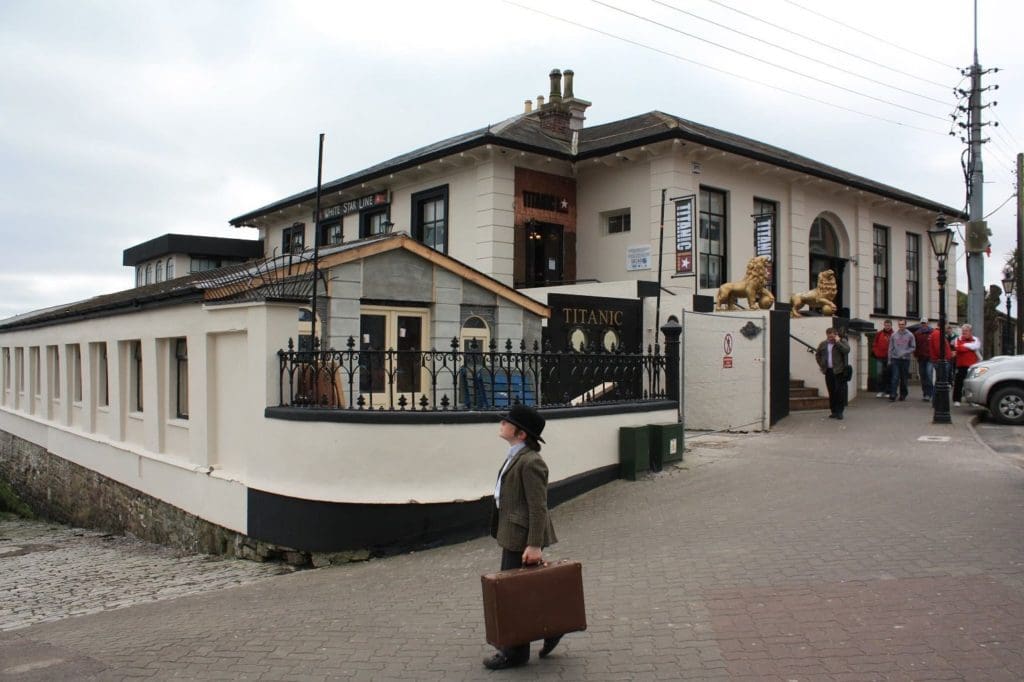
430	218
331	233
913	275
136	371
881	269
713	224
293	238
181	377
373	222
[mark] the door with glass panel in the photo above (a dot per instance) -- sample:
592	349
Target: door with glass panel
390	364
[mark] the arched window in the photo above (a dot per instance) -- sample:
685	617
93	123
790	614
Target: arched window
475	335
159	271
823	240
149	273
824	249
170	268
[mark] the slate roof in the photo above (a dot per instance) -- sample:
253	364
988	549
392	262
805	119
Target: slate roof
284	277
523	132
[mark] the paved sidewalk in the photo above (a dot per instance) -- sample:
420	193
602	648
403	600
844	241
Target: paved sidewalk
882	547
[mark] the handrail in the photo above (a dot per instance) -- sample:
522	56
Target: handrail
810	348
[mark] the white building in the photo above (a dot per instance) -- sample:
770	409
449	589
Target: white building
168	410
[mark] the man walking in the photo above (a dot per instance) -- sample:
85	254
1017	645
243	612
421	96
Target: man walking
880	351
901	349
923	353
832	356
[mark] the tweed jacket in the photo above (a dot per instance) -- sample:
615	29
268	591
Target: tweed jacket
839	356
522	518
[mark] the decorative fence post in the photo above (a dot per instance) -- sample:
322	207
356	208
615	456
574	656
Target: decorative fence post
672	331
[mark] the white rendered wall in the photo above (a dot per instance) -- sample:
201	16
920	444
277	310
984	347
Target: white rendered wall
720	397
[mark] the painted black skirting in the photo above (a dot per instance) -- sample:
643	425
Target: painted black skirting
317	414
316	526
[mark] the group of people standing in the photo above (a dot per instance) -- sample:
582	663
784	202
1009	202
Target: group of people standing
893	351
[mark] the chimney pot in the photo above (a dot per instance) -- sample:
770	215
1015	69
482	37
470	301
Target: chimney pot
556	86
528	106
567	91
540	101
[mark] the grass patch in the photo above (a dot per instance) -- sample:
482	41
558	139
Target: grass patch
10	502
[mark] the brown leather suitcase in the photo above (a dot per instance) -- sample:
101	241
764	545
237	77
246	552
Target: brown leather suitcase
526	604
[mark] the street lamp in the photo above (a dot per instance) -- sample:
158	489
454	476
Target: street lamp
1009	333
941	238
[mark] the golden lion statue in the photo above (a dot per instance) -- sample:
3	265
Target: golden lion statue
821	297
753	287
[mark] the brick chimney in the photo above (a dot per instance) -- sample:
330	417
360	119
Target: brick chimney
563	113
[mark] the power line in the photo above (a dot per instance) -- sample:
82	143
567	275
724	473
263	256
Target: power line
829	46
1012	196
799	54
874	37
1002	127
764	61
719	70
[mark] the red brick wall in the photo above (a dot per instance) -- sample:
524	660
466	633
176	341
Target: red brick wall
545	183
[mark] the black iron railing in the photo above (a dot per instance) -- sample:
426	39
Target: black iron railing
466	379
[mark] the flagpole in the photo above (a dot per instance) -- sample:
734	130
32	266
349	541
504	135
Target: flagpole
316	240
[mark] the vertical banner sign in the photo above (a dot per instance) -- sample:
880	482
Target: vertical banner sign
763	227
684	236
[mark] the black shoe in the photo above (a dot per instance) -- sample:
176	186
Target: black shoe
902	398
839	416
892	399
549	645
500	661
832	416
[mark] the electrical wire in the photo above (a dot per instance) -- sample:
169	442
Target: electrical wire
1012	196
719	70
829	46
865	33
1003	129
764	61
800	54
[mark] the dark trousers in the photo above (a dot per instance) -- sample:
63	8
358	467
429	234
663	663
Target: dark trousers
882	378
509	560
836	392
925	369
900	380
958	383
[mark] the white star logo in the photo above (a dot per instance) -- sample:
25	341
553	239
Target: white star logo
565	204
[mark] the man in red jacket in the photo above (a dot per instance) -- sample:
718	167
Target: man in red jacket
880	349
967	346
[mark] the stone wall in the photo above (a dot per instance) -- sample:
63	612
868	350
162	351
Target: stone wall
57	489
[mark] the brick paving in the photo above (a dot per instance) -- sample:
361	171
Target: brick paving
824	550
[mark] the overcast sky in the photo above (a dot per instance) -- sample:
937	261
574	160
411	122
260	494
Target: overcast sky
124	120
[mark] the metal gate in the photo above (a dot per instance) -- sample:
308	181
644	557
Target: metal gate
778	382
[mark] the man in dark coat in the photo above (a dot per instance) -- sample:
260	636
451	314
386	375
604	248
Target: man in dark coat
832	356
519	519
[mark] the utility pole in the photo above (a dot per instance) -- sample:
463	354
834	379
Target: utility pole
976	239
1018	267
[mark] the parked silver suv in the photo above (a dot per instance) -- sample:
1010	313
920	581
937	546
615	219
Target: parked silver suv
998	384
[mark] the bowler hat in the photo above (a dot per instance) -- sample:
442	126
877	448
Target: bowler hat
526	419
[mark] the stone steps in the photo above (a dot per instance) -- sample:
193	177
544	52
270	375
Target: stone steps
802	397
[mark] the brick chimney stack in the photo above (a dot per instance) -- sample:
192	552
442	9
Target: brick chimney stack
563	113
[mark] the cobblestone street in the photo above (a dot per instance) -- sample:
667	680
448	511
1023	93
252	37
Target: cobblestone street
49	572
